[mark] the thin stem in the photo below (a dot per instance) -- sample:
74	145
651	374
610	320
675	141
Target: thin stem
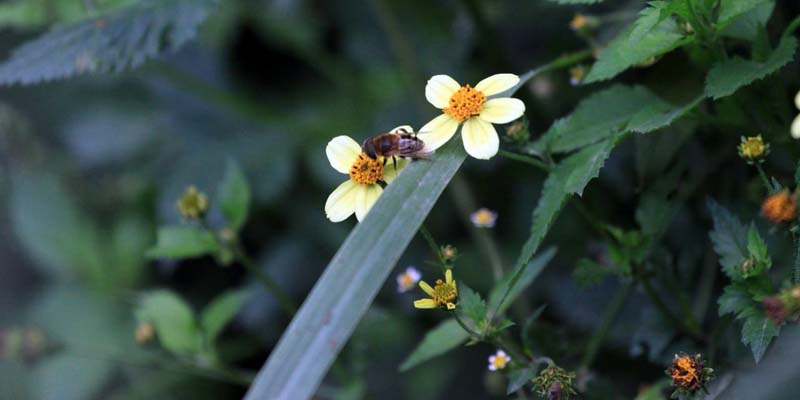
687	327
469	330
612	312
273	287
765	179
435	249
796	272
525	159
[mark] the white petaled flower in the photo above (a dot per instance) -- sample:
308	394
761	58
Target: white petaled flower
472	108
483	218
407	279
498	360
795	130
362	189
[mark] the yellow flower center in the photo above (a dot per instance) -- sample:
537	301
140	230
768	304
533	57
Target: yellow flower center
578	22
500	361
443	292
406	280
366	171
465	102
752	147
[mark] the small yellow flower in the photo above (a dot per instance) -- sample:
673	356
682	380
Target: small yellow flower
753	148
449	253
483	218
193	204
359	193
472	107
578	22
443	294
795	129
498	360
407	279
576	75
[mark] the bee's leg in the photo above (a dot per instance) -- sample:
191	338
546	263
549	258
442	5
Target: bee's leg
394	162
384	161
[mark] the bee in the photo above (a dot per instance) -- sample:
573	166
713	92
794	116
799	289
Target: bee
399	142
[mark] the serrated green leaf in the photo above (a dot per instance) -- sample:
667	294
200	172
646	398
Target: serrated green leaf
601	115
648	19
532	270
445	337
757	332
471	305
121	40
234	196
568	178
55	232
220	312
173	319
734	299
730	75
659	115
729	238
176	242
622	53
757	248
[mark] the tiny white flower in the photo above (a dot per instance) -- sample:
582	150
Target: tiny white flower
361	190
472	107
407	279
498	360
483	218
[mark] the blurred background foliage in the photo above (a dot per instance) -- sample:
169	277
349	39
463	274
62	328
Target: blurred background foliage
91	166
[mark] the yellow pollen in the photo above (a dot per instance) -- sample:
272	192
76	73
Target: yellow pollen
464	103
685	373
406	280
578	22
366	171
443	293
752	147
500	361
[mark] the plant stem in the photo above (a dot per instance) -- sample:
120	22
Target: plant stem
796	272
273	287
612	312
765	179
689	327
469	330
525	159
435	249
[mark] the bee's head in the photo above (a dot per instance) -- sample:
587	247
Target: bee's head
369	149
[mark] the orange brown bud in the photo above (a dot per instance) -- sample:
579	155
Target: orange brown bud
687	372
779	207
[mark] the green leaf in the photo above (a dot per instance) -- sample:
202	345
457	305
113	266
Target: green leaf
220	312
730	75
588	273
532	270
520	377
601	115
648	19
445	337
729	238
659	115
31	14
757	332
360	266
176	242
173	319
55	232
118	41
757	249
734	299
622	53
570	177
732	9
234	196
471	305
748	26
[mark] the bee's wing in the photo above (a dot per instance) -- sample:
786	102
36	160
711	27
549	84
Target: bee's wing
402	129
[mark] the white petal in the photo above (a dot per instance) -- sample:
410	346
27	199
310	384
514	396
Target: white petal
403	129
497	83
389	171
797	100
342	202
366	196
796	127
480	138
503	110
437	132
439	89
342	152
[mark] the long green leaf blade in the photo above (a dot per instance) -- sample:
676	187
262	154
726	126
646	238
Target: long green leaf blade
352	279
